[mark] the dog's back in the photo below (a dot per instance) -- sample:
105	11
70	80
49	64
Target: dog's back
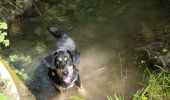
64	41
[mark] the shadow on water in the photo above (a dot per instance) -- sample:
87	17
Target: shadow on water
106	67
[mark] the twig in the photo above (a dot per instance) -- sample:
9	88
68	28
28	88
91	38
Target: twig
12	4
37	8
123	77
120	65
4	8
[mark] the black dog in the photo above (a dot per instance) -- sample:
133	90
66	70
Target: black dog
63	62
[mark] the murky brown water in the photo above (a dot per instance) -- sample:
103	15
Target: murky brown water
107	66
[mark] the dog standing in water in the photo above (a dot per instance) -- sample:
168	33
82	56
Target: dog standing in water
63	62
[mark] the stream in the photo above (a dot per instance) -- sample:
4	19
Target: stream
106	43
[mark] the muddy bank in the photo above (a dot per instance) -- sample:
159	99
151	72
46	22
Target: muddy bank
155	50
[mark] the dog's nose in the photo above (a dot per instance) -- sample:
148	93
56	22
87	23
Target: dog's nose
65	72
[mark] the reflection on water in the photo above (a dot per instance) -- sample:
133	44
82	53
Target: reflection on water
106	65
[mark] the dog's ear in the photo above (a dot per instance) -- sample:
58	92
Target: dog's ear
49	60
75	55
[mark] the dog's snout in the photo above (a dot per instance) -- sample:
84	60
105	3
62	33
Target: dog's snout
65	72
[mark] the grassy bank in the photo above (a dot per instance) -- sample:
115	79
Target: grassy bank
157	87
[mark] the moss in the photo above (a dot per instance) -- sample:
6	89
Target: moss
21	88
12	72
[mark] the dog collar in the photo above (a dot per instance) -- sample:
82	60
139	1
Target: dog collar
63	88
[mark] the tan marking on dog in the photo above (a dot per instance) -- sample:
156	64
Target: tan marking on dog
59	72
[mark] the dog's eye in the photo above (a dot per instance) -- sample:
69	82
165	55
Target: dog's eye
65	58
60	59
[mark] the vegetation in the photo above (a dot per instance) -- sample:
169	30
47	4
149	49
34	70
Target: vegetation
157	87
9	8
3	34
76	98
24	60
4	83
3	96
116	97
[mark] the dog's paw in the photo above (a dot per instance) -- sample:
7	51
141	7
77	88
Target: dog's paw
82	92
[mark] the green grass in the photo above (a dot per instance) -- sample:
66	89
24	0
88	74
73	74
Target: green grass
116	97
156	88
76	98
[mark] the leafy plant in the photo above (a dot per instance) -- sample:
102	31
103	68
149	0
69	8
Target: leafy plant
20	57
164	50
3	40
24	60
3	25
13	58
22	73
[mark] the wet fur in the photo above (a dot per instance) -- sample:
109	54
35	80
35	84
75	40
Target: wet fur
64	45
40	85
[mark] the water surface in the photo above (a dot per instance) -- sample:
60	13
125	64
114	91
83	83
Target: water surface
107	65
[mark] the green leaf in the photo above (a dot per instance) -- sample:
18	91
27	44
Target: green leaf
2	37
13	58
3	25
109	97
24	76
142	61
144	98
4	33
164	50
6	42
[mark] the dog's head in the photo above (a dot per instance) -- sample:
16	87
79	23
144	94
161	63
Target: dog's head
64	63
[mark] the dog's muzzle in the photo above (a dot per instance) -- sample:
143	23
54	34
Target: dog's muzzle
65	74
